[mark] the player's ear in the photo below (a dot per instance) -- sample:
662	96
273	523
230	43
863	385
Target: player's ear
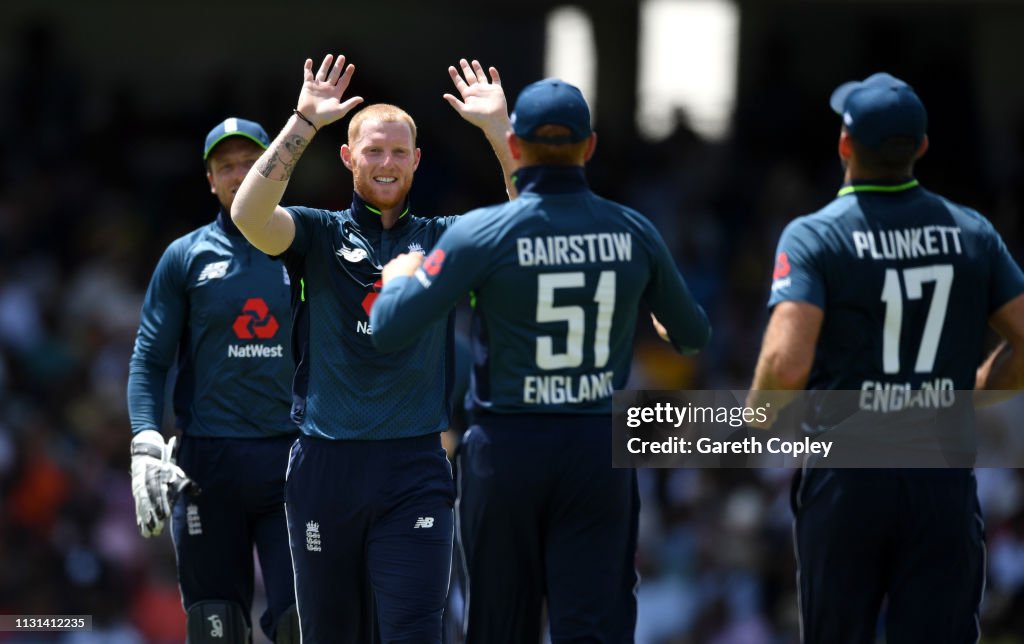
845	145
416	159
512	141
209	179
346	155
591	146
921	149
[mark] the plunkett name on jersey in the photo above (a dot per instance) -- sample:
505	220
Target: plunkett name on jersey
907	243
557	250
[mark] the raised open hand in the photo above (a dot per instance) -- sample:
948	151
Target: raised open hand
483	100
320	98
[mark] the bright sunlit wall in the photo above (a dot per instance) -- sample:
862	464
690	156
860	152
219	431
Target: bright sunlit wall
571	54
687	61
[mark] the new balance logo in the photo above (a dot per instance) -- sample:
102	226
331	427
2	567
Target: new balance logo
216	626
351	254
313	536
213	270
424	522
195	526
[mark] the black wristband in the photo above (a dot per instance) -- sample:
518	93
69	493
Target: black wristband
303	117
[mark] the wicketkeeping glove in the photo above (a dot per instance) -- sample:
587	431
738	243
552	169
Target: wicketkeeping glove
156	481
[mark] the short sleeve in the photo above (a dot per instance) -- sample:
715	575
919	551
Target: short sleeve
306	220
798	273
1007	278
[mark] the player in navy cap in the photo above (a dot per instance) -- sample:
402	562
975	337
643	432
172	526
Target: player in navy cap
370	491
217	310
557	275
889	287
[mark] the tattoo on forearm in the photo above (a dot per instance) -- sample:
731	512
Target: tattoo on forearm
276	167
296	145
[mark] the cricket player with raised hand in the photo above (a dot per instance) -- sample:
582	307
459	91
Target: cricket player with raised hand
369	492
557	274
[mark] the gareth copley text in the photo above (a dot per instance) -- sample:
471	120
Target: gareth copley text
748	445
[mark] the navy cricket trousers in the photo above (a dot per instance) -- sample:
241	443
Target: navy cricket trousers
241	505
542	514
912	539
371	527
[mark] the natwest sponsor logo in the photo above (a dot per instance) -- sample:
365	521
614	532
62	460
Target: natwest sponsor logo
430	268
780	276
255	351
255	321
371	298
782	267
432	264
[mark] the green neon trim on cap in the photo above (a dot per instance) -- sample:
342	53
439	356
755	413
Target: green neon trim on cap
235	133
847	190
302	289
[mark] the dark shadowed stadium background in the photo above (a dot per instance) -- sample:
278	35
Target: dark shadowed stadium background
103	108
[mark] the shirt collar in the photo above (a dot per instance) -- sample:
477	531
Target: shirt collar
225	223
899	185
367	215
550	179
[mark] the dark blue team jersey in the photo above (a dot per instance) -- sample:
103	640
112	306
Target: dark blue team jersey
352	390
557	274
908	280
219	308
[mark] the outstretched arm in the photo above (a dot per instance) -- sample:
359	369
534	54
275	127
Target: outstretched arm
483	104
418	291
256	209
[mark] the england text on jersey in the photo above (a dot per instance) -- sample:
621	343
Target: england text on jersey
555	250
897	396
558	390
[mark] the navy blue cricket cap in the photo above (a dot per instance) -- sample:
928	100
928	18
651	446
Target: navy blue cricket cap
236	127
878	108
551	102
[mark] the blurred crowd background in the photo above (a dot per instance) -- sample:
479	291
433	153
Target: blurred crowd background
103	110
